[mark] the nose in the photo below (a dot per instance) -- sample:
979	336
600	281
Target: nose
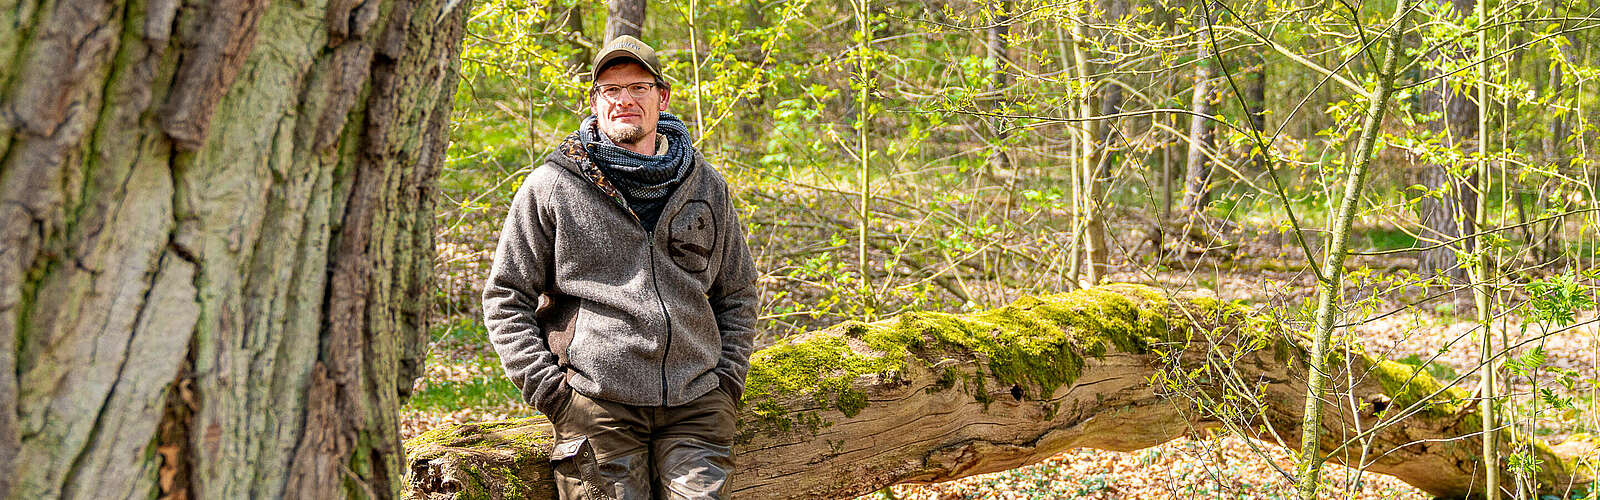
623	100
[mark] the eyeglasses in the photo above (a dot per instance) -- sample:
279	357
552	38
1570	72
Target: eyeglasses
613	91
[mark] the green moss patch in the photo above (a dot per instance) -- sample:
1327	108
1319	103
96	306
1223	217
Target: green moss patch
822	366
1407	385
496	457
1035	344
492	435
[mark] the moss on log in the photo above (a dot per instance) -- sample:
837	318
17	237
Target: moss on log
930	397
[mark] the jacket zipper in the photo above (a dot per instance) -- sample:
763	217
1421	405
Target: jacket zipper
656	282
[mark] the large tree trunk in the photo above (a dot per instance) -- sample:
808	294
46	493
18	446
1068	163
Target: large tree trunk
930	397
1449	218
216	242
624	17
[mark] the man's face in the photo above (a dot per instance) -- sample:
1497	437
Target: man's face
627	119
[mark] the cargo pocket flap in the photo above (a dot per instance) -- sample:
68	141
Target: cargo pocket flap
567	449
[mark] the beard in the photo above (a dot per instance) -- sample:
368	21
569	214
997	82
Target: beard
624	133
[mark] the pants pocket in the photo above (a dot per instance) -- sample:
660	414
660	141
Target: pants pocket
576	472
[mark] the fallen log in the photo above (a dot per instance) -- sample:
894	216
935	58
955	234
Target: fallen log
931	397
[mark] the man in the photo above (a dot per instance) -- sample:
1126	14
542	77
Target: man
622	296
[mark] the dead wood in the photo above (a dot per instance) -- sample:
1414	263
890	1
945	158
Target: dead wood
930	397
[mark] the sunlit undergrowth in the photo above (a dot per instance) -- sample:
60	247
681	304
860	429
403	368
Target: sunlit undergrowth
950	229
462	382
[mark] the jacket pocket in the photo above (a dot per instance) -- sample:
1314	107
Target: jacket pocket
577	330
568	449
558	316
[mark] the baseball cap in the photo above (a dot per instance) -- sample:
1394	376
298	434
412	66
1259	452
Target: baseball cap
626	46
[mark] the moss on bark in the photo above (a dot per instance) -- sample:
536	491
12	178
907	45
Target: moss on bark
508	458
1038	344
1035	345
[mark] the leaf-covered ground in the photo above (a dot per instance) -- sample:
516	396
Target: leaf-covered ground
1201	467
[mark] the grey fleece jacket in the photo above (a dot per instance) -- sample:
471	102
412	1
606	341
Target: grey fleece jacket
582	295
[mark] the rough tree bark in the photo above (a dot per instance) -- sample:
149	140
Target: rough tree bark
928	397
1449	217
215	242
624	17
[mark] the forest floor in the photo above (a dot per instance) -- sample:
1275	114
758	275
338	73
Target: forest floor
1219	466
464	383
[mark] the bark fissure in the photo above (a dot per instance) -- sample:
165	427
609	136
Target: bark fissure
105	404
222	42
173	445
155	355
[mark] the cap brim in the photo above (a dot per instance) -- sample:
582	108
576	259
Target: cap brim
615	54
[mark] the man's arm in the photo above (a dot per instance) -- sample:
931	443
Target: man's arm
734	298
518	277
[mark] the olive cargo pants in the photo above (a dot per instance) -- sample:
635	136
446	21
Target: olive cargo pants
607	450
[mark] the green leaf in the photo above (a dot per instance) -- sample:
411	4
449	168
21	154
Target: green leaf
1528	362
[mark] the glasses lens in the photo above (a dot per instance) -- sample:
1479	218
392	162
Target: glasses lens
613	91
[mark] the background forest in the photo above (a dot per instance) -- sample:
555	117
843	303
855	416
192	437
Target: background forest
890	156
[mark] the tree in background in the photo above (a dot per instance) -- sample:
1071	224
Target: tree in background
568	22
624	17
1255	104
996	58
1104	152
1446	211
1202	129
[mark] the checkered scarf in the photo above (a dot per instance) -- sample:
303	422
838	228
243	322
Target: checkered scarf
641	177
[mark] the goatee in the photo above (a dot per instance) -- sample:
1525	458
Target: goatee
625	134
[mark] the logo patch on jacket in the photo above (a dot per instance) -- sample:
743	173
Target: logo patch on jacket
691	235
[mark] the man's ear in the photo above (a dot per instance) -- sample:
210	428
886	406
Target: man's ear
666	95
